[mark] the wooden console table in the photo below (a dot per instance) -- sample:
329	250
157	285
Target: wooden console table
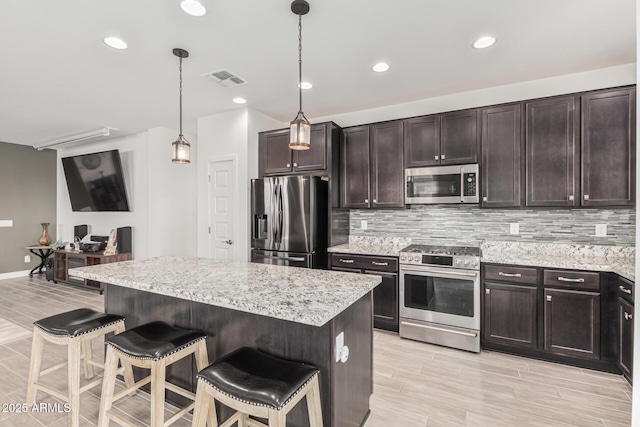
43	253
64	260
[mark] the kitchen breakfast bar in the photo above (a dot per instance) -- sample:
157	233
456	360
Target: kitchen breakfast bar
290	312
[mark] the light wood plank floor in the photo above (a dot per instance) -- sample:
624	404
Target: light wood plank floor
415	384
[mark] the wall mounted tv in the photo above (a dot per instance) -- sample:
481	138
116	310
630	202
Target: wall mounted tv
95	182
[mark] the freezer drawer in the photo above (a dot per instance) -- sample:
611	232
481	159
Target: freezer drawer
291	259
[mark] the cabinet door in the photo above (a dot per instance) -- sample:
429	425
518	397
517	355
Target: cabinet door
385	302
552	152
625	355
275	154
354	167
510	315
608	148
315	158
501	156
459	134
422	141
572	323
387	173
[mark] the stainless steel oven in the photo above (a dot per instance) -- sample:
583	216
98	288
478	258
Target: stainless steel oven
442	184
440	295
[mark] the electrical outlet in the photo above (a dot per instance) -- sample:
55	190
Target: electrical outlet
339	345
27	258
363	224
601	230
514	228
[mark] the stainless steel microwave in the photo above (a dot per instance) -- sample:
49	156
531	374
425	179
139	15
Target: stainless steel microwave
442	184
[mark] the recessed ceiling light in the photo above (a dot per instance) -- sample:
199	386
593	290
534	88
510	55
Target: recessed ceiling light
483	42
115	42
306	85
380	67
239	100
193	7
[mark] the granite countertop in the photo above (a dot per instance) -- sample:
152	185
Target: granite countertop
311	297
383	246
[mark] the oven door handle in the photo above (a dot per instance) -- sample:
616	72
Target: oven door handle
448	273
435	328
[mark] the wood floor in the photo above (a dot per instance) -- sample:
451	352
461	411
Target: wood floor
415	384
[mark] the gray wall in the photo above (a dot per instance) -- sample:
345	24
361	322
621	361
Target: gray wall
464	223
28	197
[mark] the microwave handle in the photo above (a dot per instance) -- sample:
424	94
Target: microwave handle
462	185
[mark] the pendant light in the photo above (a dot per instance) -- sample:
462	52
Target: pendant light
300	133
181	147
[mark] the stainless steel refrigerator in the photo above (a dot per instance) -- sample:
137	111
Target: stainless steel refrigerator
289	221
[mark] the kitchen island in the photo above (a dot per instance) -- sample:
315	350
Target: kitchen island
290	312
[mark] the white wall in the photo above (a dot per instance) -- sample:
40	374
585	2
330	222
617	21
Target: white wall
588	80
161	195
230	135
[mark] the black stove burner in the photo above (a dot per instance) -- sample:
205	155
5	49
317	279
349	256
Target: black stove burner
443	250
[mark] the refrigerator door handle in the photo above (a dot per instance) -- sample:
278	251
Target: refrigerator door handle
280	214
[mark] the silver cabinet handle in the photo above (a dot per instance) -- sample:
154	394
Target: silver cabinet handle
628	316
288	165
295	164
625	290
437	157
571	198
442	157
346	261
586	197
566	279
366	200
379	263
375	201
485	198
466	334
500	273
487	291
548	297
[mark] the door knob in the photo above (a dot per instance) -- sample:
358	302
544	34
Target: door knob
229	242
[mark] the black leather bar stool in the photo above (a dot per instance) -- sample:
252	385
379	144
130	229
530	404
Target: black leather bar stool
153	346
256	384
75	329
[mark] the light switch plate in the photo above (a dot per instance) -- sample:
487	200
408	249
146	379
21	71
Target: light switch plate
601	230
27	258
514	228
6	223
363	224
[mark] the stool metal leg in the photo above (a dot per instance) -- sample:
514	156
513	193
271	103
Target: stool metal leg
158	374
37	349
73	364
313	404
108	386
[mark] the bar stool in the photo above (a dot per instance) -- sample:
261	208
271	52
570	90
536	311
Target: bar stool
256	384
75	329
153	346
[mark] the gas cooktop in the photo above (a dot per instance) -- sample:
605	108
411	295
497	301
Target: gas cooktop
467	257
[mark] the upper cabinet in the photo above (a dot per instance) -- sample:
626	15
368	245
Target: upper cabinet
276	158
608	148
552	154
501	167
371	169
442	139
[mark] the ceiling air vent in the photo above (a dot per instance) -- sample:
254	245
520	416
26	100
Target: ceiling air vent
226	78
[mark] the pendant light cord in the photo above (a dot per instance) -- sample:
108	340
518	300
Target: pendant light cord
300	60
180	96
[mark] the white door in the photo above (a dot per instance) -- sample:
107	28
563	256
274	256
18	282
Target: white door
222	193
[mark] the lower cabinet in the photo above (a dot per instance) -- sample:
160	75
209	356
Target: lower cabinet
625	318
385	295
510	314
572	323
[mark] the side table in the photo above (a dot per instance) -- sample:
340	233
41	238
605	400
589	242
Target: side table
43	252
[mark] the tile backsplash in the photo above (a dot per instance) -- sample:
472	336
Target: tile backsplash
465	223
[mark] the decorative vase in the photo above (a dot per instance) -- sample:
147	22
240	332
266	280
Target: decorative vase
45	239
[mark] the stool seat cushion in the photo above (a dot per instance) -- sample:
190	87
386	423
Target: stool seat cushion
76	322
155	340
258	378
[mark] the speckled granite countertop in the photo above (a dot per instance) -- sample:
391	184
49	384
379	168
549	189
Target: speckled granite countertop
311	297
620	260
361	245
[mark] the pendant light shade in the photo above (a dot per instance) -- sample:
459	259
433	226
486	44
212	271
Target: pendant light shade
181	149
300	132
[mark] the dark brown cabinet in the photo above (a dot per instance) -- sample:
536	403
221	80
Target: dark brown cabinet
625	332
501	147
608	148
443	139
372	175
552	152
64	260
385	295
572	323
275	154
510	314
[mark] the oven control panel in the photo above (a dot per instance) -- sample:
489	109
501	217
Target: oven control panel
464	262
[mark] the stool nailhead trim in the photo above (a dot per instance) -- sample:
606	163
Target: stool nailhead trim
182	347
85	332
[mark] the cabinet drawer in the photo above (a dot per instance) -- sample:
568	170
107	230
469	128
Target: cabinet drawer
507	273
365	262
573	279
625	289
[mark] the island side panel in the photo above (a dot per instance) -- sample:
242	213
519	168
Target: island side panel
143	307
353	379
231	329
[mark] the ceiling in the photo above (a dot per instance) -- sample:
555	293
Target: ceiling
58	77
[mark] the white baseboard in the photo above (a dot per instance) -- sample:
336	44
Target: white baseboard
14	274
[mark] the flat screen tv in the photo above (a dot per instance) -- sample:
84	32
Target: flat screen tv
95	182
